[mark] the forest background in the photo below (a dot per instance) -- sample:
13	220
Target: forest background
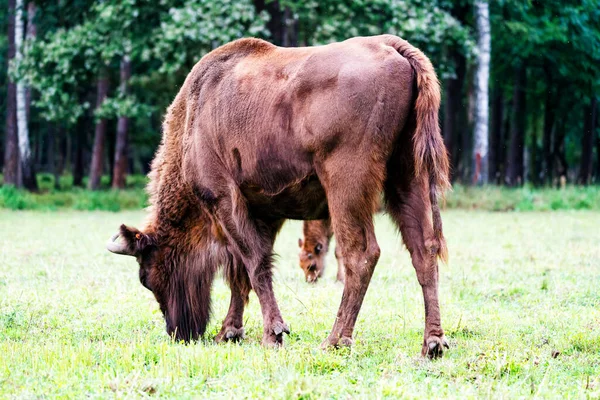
84	86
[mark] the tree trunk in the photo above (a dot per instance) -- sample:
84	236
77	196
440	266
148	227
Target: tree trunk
549	114
460	135
11	136
587	143
52	146
60	157
559	144
466	129
275	25
99	135
535	163
120	163
78	149
597	145
482	76
496	137
515	167
454	109
30	35
290	38
449	116
38	142
25	157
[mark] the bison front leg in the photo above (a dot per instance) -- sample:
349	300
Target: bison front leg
233	329
251	245
259	239
273	325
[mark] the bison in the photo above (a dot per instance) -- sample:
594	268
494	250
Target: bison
259	134
313	250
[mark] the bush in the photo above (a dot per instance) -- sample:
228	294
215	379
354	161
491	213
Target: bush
46	182
499	198
77	199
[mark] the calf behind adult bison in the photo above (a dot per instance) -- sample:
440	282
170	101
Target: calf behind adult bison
259	134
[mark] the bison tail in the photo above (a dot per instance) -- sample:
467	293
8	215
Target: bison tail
429	151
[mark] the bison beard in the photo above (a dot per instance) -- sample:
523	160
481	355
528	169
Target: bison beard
259	134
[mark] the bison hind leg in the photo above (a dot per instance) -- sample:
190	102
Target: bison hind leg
408	203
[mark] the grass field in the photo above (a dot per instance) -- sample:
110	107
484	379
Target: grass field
520	304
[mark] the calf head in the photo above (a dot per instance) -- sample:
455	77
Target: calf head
312	259
183	293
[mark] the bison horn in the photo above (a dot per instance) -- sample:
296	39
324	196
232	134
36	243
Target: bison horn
117	247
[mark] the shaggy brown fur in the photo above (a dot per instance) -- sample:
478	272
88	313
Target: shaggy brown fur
313	250
259	134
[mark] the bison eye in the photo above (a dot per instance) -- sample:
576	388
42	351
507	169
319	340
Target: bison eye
318	248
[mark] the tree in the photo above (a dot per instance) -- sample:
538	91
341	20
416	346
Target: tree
120	166
482	75
515	167
25	158
11	147
587	142
97	164
496	145
163	40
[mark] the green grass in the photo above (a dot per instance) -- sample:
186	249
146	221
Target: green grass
75	322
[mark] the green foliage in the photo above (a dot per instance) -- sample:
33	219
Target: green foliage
424	23
561	36
558	41
188	32
76	199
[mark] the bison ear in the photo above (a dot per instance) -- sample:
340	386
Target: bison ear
129	241
300	243
318	248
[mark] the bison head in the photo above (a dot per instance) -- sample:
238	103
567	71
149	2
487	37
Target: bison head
312	259
181	289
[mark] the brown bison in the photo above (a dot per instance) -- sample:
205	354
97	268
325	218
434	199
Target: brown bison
313	250
258	134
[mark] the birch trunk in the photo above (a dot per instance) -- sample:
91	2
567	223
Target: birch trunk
482	75
25	157
11	144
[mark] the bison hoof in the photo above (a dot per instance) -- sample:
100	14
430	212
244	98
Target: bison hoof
274	337
336	343
230	334
434	347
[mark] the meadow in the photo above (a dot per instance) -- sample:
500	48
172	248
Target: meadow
520	303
